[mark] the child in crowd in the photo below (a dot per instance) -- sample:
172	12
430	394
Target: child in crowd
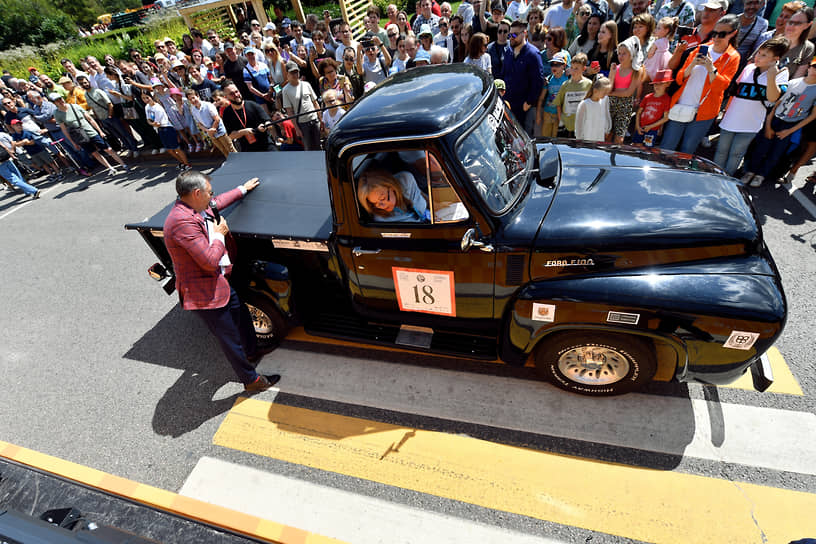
178	111
625	82
157	118
792	112
760	84
332	115
290	140
658	56
547	113
592	121
572	93
209	122
653	111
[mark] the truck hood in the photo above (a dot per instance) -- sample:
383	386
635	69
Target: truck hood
627	208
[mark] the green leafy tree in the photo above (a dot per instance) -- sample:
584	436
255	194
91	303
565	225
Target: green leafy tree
34	22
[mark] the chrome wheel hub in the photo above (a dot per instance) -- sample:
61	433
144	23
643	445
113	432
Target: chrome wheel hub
593	365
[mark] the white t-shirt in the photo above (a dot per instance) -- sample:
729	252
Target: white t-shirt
329	121
748	115
693	91
155	112
482	62
557	15
206	114
593	121
374	70
338	53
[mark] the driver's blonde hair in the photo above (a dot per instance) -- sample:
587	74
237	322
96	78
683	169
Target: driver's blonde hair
372	179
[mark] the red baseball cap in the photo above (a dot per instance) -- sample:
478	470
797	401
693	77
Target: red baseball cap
15	122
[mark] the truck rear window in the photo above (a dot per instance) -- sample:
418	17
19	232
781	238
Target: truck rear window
497	155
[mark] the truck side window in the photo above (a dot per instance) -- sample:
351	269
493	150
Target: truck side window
395	188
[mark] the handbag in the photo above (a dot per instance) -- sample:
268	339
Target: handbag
77	133
129	110
683	113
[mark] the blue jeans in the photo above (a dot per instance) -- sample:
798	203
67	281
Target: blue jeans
691	134
768	152
232	327
9	171
118	129
731	149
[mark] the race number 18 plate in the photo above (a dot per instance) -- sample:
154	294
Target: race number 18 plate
427	291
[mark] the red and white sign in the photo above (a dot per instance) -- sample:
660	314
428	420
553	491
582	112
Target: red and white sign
426	291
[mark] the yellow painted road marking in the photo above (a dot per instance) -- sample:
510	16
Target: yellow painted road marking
163	500
784	381
638	503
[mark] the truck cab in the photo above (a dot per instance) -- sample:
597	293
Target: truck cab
603	265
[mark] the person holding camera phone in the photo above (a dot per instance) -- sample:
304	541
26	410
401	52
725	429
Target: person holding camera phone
703	81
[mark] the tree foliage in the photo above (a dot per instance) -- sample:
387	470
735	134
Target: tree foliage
32	22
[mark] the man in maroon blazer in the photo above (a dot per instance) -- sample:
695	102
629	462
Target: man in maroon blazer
198	247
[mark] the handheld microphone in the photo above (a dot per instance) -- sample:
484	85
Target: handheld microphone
214	210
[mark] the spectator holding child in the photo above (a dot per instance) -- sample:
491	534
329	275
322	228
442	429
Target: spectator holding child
759	86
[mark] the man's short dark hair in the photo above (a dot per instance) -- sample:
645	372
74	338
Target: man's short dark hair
64	60
518	23
189	181
295	24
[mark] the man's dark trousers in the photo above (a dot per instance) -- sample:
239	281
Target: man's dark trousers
232	326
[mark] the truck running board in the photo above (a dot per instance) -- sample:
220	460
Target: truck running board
345	327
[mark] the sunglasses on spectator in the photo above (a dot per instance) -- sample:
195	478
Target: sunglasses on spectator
500	31
444	24
585	13
513	35
393	35
370	49
720	34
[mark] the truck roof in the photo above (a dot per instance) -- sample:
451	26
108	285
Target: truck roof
418	102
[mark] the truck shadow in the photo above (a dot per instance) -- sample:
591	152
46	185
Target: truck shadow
416	391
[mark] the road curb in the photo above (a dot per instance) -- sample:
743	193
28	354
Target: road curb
161	499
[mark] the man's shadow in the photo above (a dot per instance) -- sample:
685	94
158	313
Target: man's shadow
181	341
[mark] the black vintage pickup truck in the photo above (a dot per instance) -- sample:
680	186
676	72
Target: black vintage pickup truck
605	265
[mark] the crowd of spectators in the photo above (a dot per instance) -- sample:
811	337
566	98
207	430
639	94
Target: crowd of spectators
676	74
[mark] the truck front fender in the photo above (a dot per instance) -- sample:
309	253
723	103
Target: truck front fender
694	315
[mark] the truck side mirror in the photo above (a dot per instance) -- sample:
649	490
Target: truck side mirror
549	165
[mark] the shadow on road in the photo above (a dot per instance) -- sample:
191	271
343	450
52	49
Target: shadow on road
180	341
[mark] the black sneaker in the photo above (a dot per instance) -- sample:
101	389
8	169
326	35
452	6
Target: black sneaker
36	195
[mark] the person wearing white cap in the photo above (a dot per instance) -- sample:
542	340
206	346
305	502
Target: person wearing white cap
257	78
269	30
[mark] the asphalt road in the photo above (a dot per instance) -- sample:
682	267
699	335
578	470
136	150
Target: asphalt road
100	367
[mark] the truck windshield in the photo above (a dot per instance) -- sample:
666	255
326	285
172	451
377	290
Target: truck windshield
497	156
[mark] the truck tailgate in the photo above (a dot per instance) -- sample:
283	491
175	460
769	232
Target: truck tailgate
291	203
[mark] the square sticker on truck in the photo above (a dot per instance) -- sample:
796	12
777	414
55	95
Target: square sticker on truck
426	291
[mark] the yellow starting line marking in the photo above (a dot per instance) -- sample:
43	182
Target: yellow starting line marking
784	381
634	502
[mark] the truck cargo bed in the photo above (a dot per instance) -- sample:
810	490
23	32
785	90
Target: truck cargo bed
291	203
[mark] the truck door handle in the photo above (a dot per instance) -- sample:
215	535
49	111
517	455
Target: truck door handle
358	251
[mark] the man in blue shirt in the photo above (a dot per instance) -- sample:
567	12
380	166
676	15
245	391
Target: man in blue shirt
523	73
497	49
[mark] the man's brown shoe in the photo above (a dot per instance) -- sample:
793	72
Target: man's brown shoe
262	383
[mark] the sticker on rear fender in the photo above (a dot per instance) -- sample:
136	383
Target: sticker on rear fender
623	317
741	340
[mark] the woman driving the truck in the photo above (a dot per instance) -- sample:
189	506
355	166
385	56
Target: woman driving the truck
392	197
